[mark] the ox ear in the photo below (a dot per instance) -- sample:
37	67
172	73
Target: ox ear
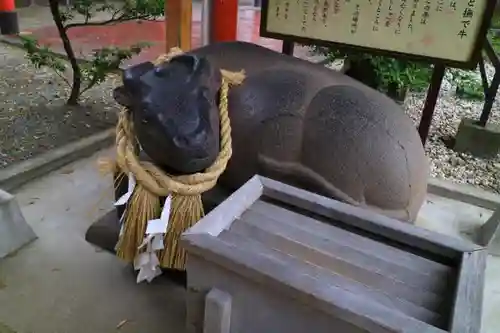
132	74
122	97
201	70
190	61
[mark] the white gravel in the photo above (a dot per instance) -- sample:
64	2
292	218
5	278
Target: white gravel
450	110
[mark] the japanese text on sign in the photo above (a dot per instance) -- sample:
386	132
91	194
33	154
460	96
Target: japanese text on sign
445	29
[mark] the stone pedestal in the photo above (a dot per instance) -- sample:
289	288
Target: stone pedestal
477	140
14	231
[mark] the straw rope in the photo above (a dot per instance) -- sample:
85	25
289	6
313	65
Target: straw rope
185	190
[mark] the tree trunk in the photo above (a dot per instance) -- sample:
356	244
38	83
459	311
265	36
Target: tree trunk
77	77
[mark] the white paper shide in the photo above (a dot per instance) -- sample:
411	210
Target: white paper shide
147	262
125	198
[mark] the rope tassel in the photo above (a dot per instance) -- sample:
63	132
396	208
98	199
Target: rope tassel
152	183
142	207
186	211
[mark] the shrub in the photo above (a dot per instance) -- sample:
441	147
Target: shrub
87	74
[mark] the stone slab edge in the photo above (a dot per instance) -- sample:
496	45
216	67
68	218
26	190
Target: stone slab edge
21	173
15	232
11	40
464	193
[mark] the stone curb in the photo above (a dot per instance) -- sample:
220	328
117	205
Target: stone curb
464	193
21	173
10	40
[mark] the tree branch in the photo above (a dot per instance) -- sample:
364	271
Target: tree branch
122	18
63	78
115	13
89	86
77	77
87	16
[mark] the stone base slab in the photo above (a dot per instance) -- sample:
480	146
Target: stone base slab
15	232
477	140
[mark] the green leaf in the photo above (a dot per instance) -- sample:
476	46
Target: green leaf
468	85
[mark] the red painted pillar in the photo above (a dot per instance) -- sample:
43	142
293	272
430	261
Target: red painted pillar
7	5
224	20
8	17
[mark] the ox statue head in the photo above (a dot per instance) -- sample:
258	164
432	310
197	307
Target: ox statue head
174	111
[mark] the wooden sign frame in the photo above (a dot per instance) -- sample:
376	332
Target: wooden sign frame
471	63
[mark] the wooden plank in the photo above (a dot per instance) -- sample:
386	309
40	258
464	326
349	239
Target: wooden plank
257	308
178	17
186	24
217	312
300	242
172	24
263	266
238	234
298	247
466	317
420	265
222	216
397	231
278	224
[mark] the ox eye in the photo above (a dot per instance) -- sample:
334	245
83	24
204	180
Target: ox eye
145	116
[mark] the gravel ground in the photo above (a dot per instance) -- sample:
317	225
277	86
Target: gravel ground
33	114
445	163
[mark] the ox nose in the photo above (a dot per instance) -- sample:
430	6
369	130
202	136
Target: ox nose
191	140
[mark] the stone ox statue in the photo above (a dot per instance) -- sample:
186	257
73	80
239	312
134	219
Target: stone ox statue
292	120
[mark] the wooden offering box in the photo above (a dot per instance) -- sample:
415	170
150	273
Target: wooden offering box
275	259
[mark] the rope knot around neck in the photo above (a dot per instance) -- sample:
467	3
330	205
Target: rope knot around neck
152	183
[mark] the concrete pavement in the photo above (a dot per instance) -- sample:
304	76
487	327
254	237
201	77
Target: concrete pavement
61	284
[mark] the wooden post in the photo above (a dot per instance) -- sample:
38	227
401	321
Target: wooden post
217	312
7	5
430	102
288	47
178	17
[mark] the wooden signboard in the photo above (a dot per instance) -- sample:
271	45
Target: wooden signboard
450	32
